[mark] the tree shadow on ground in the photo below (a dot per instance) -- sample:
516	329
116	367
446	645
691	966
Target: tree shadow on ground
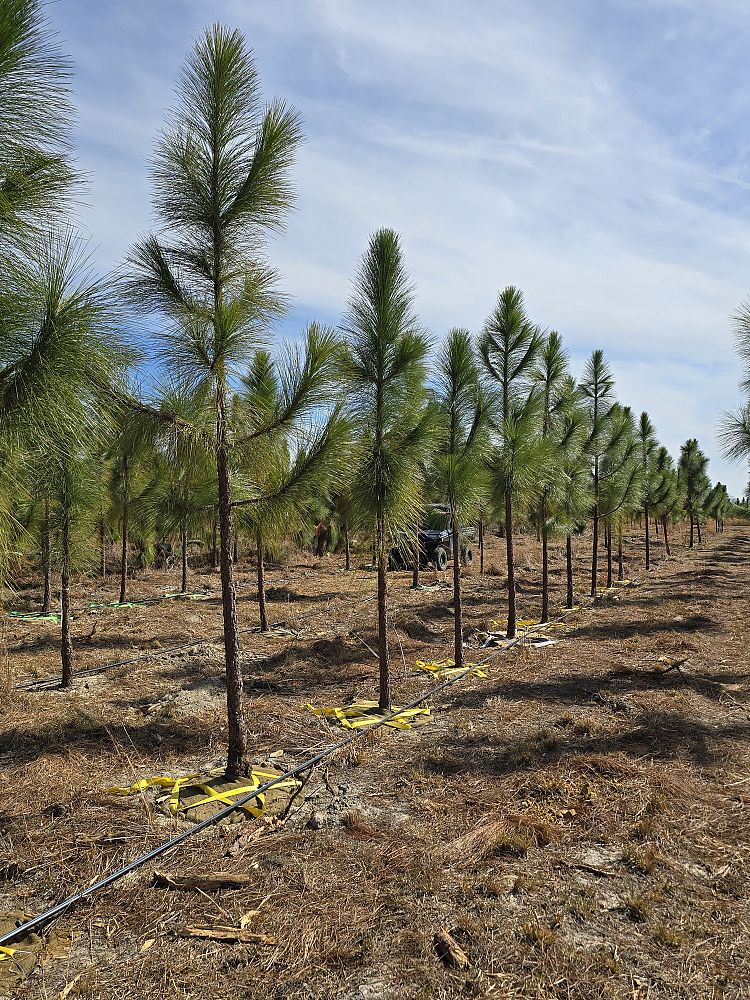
578	688
296	670
661	736
113	641
286	596
25	744
627	630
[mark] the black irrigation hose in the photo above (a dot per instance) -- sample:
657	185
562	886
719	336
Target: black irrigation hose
62	907
46	682
43	683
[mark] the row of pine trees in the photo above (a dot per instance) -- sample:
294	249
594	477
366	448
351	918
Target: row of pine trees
372	420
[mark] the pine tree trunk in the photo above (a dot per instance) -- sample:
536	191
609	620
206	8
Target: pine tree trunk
511	632
648	540
692	535
698	526
481	546
347	549
458	625
102	547
415	567
261	582
125	515
666	536
183	541
237	763
620	573
545	563
384	659
569	570
608	539
595	547
46	562
66	643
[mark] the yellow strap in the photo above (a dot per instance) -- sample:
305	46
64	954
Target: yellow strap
365	713
227	796
175	785
446	668
214	795
139	786
6	953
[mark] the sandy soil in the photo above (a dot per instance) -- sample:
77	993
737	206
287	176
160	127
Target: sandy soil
577	821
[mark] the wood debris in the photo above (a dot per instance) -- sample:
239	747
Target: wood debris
209	882
230	935
449	951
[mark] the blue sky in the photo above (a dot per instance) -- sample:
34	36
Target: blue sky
592	152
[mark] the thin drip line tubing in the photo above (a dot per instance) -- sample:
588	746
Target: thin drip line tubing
62	907
34	683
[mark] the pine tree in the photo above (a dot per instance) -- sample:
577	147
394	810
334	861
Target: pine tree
597	387
220	186
385	374
459	464
696	486
509	345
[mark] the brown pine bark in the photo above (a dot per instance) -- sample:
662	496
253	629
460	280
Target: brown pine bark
480	537
261	583
183	543
666	536
569	570
66	642
46	561
648	540
511	632
102	547
458	627
125	518
383	657
595	546
545	562
237	763
415	567
347	548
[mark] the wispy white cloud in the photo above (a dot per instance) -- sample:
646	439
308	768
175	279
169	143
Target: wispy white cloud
591	152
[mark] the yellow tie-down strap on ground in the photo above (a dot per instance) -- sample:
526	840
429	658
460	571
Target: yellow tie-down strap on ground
255	807
367	713
448	668
525	625
6	953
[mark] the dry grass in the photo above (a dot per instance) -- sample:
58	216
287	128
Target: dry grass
572	848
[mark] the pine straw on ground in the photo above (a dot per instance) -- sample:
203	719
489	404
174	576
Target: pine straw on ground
577	821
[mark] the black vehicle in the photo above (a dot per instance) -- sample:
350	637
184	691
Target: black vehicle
435	541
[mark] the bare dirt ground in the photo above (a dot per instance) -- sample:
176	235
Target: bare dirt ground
577	821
